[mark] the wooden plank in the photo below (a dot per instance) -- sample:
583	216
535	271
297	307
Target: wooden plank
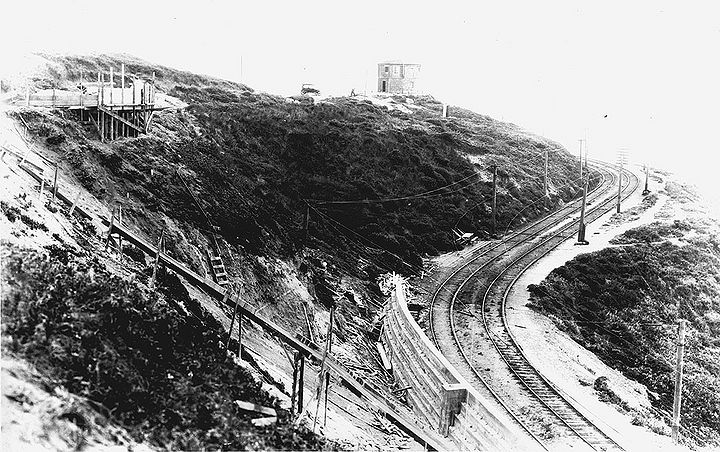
122	120
254	408
264	421
383	356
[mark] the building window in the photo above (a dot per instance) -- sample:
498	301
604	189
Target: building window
387	69
384	86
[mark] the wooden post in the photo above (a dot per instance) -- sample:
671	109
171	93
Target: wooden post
677	400
647	176
134	115
494	201
112	224
74	204
122	97
232	321
54	195
307	221
240	334
620	168
157	259
293	397
581	226
327	387
547	193
112	120
321	382
101	102
301	385
82	100
581	166
120	244
42	185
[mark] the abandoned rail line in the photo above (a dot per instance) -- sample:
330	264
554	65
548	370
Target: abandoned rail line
455	302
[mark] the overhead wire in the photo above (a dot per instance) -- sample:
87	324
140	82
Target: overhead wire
427	194
375	244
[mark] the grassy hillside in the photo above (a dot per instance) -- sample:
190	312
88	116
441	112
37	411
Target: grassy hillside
144	364
623	304
254	159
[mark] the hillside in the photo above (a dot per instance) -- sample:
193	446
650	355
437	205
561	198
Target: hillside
259	165
147	367
622	304
254	159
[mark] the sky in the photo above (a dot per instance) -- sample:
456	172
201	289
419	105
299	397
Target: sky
642	75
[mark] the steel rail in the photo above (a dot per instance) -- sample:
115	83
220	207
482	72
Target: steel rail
554	218
515	358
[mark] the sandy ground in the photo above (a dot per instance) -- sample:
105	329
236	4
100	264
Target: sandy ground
568	365
39	417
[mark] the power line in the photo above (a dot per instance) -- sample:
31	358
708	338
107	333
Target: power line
426	194
378	247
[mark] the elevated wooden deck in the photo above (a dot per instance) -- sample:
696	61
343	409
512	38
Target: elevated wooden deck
116	112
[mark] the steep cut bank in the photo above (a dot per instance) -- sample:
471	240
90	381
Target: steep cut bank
259	163
623	303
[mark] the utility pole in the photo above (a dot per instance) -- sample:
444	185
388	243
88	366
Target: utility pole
581	160
157	259
646	191
547	194
621	160
307	221
581	226
494	201
678	382
321	375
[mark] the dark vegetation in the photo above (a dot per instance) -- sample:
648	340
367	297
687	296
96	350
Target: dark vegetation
254	159
159	373
623	305
12	213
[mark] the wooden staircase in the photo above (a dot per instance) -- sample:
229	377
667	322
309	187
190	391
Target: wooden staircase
218	268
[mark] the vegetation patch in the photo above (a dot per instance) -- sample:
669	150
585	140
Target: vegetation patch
161	374
12	213
623	304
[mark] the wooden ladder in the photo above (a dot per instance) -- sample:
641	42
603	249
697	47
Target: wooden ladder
218	268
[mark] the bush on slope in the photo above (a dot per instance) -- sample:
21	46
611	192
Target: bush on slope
622	304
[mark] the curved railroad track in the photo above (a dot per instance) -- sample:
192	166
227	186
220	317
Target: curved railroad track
502	263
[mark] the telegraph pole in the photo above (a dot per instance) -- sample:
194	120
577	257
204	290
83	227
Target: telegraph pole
547	194
677	400
621	160
581	160
581	226
494	201
646	191
307	221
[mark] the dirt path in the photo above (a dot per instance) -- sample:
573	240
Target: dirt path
564	362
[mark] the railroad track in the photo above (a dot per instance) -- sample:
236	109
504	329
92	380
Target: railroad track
454	299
